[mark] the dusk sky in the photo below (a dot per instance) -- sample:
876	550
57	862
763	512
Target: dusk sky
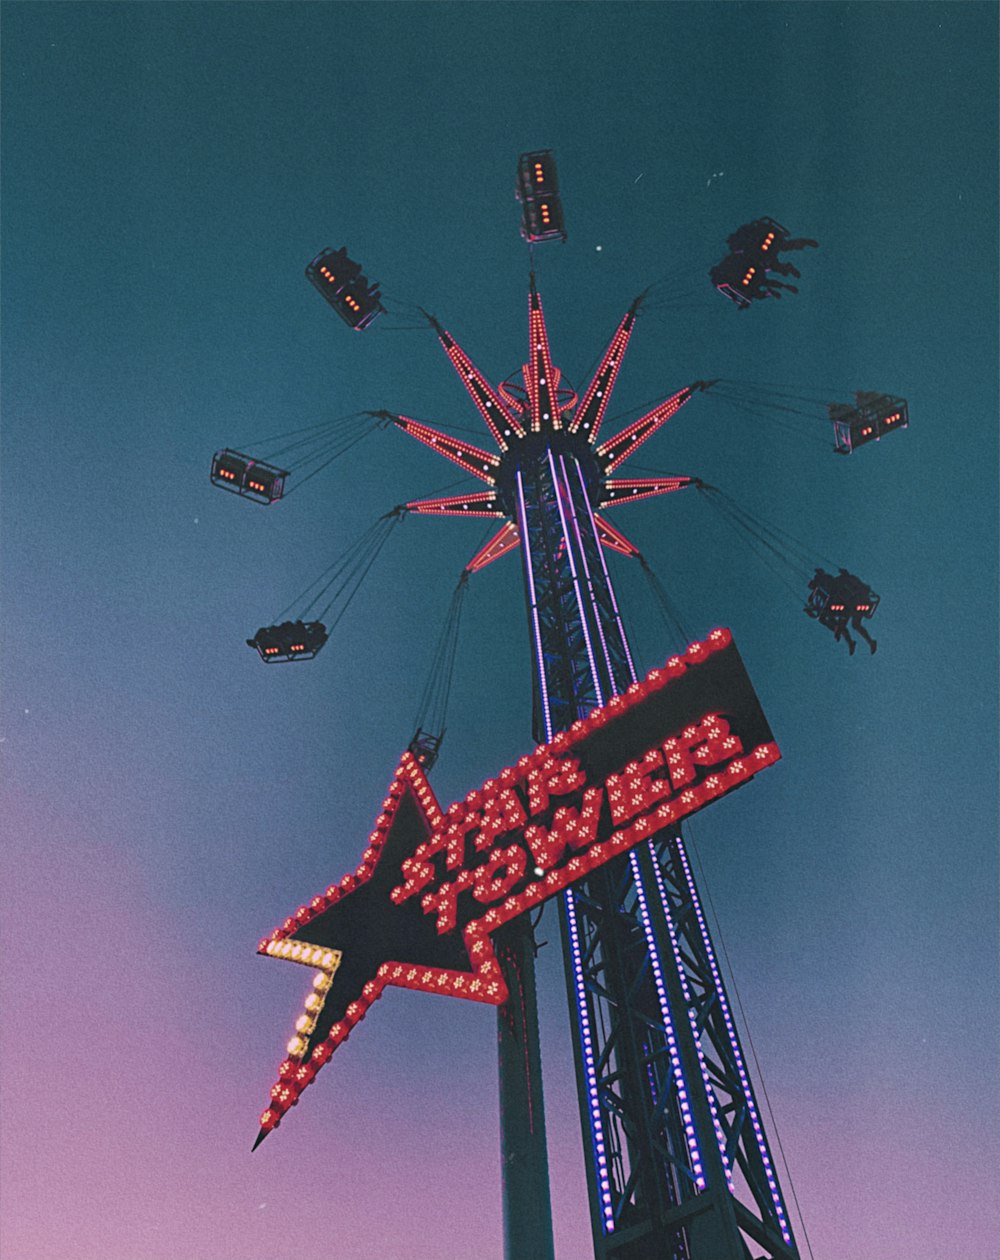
167	799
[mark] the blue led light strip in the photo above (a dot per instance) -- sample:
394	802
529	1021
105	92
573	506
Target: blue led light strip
686	989
758	1128
534	609
607	578
598	692
589	1068
589	580
683	1102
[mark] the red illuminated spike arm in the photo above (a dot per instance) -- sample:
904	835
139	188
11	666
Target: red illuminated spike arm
482	503
614	539
539	377
500	421
629	490
618	449
499	545
591	410
480	463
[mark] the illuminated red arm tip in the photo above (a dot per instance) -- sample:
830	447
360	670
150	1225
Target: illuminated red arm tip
618	449
591	411
539	377
613	538
630	490
479	463
480	504
499	545
500	421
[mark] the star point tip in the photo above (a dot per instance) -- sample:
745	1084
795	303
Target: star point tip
260	1137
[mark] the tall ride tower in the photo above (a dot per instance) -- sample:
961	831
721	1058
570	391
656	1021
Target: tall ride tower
678	1163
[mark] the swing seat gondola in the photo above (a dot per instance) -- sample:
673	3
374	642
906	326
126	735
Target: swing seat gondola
252	478
341	282
425	747
289	641
742	275
840	597
869	420
538	192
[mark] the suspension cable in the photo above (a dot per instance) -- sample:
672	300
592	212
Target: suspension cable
794	545
347	565
671	615
433	709
766	411
341	450
770	399
308	428
359	572
333	432
769	543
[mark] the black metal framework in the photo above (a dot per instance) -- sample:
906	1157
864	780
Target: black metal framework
677	1159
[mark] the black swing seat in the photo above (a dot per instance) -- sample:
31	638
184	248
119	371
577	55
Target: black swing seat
869	420
538	192
341	282
289	641
252	478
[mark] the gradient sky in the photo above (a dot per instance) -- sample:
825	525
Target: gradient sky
168	171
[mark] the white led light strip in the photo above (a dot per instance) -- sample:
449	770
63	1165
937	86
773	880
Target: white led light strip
683	1102
568	542
748	1094
590	1072
523	527
607	578
703	1065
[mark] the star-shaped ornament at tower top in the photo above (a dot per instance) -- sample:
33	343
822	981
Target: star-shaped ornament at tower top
543	411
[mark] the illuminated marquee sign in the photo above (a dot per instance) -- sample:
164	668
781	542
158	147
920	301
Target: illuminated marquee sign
432	886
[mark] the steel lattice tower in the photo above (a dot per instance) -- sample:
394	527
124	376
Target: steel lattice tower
678	1163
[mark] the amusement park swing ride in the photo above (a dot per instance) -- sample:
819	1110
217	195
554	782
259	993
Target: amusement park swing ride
679	1165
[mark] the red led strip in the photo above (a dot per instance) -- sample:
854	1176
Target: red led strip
538	372
613	538
478	462
617	449
499	545
480	504
629	491
482	393
590	413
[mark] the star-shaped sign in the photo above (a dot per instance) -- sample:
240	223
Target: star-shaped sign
432	886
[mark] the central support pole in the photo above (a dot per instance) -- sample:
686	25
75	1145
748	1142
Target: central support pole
678	1167
527	1206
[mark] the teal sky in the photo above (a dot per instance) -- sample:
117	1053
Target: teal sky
168	170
